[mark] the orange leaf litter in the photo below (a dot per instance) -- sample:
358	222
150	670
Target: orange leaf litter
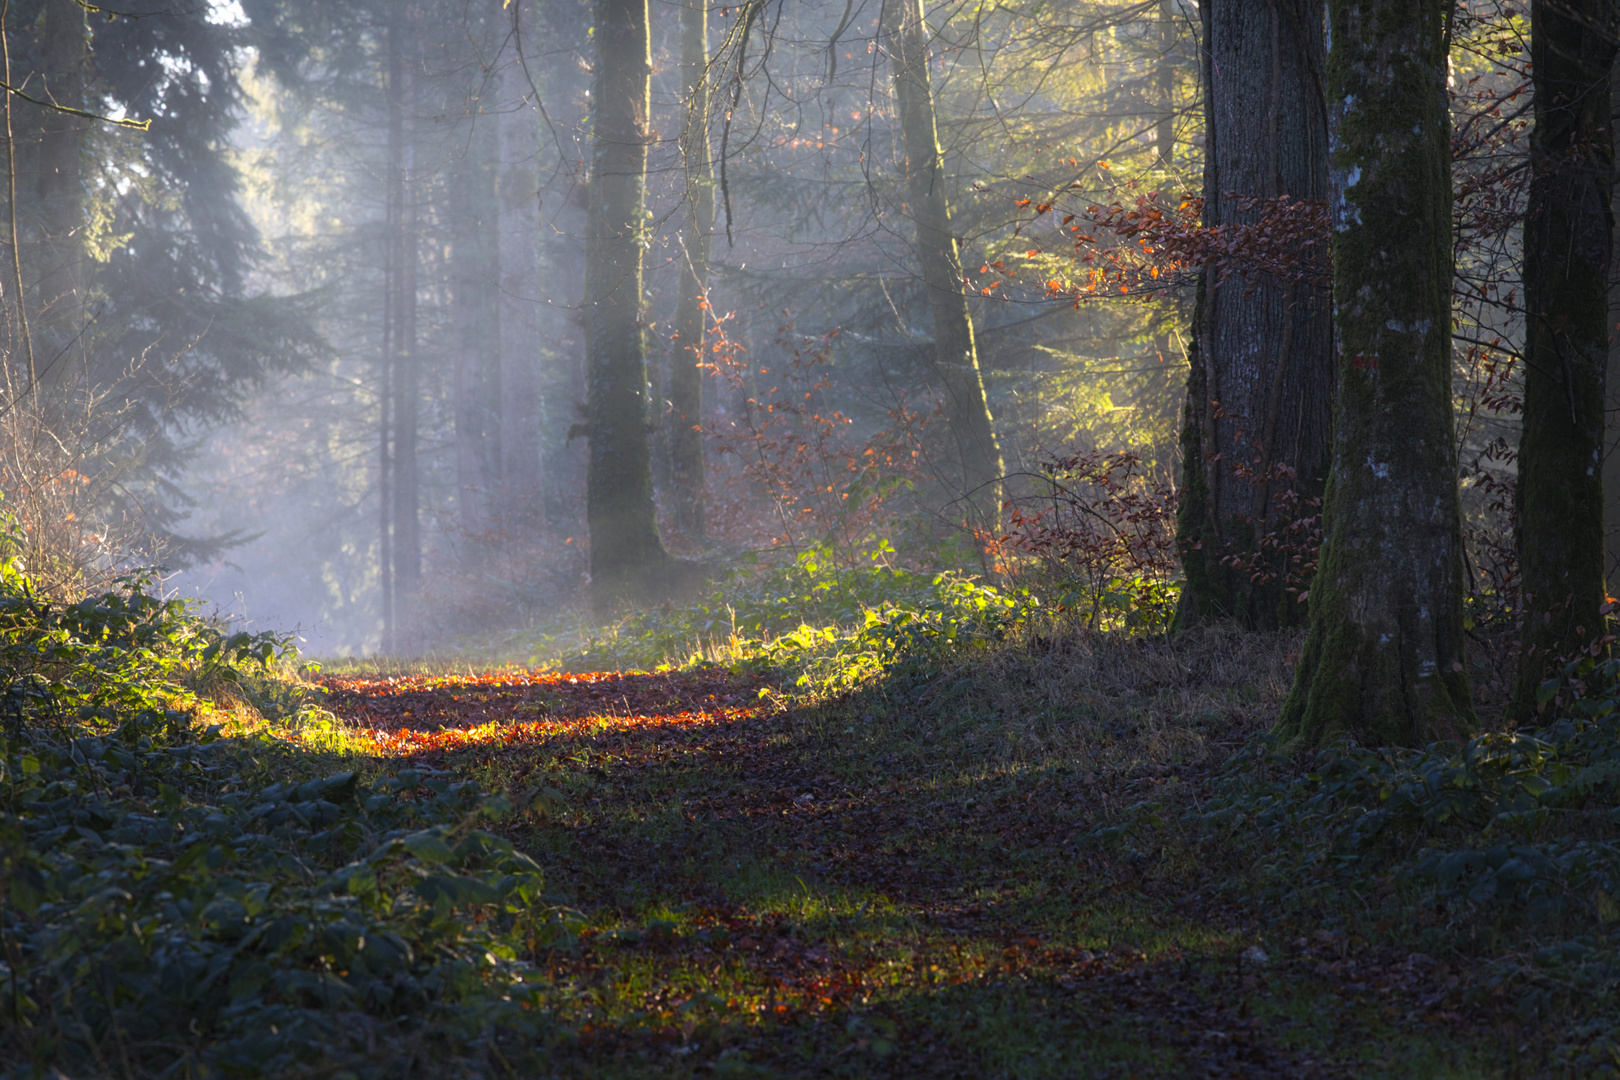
433	714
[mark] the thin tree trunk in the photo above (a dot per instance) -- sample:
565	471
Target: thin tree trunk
697	231
475	299
1384	659
19	296
59	271
565	212
628	560
1260	389
393	196
956	355
518	239
407	369
1568	232
1164	136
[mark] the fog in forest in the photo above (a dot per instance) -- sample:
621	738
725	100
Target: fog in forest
329	307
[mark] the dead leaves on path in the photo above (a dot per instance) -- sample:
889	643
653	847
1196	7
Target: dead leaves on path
429	715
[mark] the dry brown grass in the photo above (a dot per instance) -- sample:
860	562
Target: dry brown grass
1107	700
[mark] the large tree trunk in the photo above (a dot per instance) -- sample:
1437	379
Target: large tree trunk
1384	660
1260	388
519	241
475	298
1567	247
628	560
59	252
956	355
697	231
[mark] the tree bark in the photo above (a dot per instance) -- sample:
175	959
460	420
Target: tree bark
956	355
1611	455
697	232
1567	248
628	560
1384	659
1262	373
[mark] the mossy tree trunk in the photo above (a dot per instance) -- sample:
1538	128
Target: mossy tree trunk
1567	247
956	356
628	560
1262	371
697	232
1384	658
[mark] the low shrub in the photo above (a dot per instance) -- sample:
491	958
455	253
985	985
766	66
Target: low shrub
827	626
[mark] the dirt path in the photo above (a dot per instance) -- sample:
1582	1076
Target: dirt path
765	892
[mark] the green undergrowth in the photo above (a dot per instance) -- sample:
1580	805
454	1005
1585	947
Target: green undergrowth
827	622
177	901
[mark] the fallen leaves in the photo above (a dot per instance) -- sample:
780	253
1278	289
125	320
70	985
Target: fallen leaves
428	716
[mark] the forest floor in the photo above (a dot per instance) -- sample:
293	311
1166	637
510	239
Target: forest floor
898	885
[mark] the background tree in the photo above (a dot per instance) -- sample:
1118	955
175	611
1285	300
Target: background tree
956	352
1262	371
696	243
628	559
1384	657
136	253
822	248
1568	235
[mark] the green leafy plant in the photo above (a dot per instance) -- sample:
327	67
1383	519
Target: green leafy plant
174	900
827	625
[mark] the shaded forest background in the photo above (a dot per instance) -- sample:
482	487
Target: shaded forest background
349	252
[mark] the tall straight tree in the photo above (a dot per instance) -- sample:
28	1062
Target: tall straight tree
1568	233
476	302
628	560
406	363
697	233
60	263
1384	657
519	240
956	353
1261	380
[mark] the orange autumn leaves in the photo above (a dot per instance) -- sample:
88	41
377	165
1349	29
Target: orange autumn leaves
429	715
